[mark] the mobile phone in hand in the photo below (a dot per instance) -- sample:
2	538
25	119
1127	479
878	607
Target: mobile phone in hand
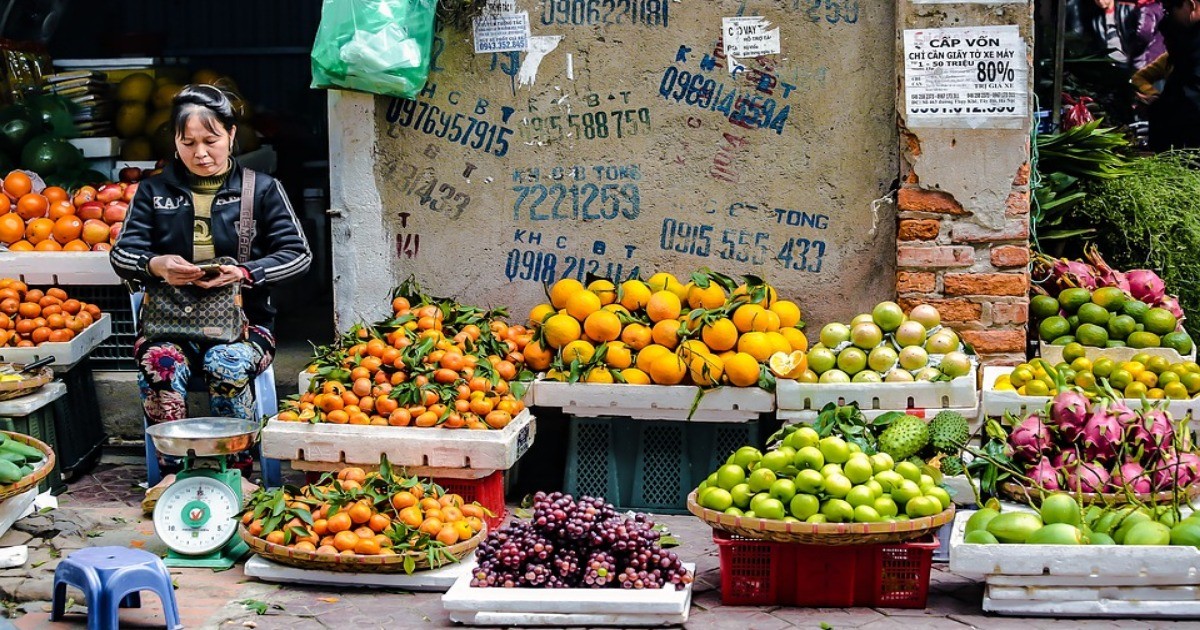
210	271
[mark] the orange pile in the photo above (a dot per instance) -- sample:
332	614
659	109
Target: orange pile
52	219
430	365
363	513
31	317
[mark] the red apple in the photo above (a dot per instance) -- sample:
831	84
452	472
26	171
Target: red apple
90	210
115	211
109	192
114	231
130	174
95	231
101	247
130	191
84	195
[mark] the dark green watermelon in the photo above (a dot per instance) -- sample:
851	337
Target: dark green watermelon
18	125
47	155
54	112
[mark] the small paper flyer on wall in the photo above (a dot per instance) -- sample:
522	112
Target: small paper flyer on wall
966	78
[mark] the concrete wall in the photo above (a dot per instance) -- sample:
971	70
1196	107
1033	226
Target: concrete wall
619	159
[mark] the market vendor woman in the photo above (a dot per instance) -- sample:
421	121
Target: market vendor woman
186	216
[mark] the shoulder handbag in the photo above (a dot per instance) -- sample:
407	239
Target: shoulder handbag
207	316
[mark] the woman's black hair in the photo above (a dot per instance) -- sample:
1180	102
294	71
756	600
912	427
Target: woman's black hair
213	104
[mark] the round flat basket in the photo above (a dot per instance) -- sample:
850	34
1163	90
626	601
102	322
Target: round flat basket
351	564
832	534
25	386
32	479
1023	494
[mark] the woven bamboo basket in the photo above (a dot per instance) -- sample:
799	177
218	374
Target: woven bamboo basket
25	386
351	564
1023	494
831	534
32	479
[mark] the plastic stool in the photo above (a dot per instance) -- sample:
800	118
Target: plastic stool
112	578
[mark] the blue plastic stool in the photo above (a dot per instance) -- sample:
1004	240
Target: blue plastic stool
113	578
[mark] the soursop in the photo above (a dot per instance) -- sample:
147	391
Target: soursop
904	437
952	466
949	432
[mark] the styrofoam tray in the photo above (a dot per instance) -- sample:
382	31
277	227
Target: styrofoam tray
996	402
15	508
101	147
436	580
303	380
64	353
809	416
959	393
404	446
567	607
1053	354
1138	604
654	402
58	268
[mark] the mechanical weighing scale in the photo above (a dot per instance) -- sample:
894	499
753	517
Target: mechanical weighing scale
196	516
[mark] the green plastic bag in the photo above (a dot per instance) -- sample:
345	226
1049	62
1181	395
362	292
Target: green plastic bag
376	46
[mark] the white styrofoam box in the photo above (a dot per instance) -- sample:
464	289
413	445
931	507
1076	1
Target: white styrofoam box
58	268
303	380
435	580
654	402
957	393
423	472
1053	354
1164	607
26	405
14	508
101	147
809	416
64	353
567	607
107	63
404	446
15	556
996	402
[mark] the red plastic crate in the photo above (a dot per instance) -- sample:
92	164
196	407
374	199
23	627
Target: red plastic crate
765	573
488	491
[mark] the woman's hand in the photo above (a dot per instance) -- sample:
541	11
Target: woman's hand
228	274
175	270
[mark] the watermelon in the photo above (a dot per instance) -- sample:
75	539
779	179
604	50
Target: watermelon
47	155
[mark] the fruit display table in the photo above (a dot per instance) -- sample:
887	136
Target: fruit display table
59	268
1080	580
654	402
801	402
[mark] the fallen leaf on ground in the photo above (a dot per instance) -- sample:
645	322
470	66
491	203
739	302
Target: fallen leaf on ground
137	543
329	600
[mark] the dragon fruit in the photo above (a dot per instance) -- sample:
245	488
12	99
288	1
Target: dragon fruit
1171	303
1103	432
1087	477
1045	475
1068	411
1129	475
1107	276
1160	432
1075	274
1063	460
1145	285
1191	462
1171	472
1031	439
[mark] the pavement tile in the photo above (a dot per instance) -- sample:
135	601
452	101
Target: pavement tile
835	617
729	618
926	623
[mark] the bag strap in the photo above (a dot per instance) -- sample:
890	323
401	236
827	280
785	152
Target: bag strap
246	219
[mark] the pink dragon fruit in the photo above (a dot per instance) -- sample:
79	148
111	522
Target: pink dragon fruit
1171	303
1031	439
1063	460
1073	273
1191	462
1129	475
1170	472
1068	412
1102	434
1160	432
1087	477
1145	285
1045	475
1107	276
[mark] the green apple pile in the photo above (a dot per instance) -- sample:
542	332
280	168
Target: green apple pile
886	345
812	479
1060	521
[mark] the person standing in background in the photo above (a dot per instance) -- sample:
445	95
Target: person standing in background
1148	41
1113	30
1175	116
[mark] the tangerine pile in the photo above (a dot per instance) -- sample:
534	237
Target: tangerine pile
36	218
31	317
359	513
434	363
711	331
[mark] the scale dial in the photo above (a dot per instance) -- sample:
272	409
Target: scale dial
196	515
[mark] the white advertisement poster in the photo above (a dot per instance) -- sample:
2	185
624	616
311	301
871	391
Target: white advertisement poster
501	32
971	77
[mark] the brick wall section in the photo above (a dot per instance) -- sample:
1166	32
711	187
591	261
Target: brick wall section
975	275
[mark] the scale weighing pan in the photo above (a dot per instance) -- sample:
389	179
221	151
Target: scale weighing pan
203	436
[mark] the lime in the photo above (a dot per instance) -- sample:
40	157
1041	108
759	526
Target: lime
1063	340
1114	343
1111	298
1072	299
1141	357
1135	309
1082	364
1178	341
1103	367
1043	306
1175	391
1142	339
1158	364
1073	320
1120	378
1160	321
1191	381
1093	314
1037	388
1136	390
1053	328
1092	335
1121	326
1073	351
1086	380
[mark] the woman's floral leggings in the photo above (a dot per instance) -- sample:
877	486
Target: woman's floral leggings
164	369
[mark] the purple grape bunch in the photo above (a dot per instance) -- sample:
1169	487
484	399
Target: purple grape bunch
577	543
